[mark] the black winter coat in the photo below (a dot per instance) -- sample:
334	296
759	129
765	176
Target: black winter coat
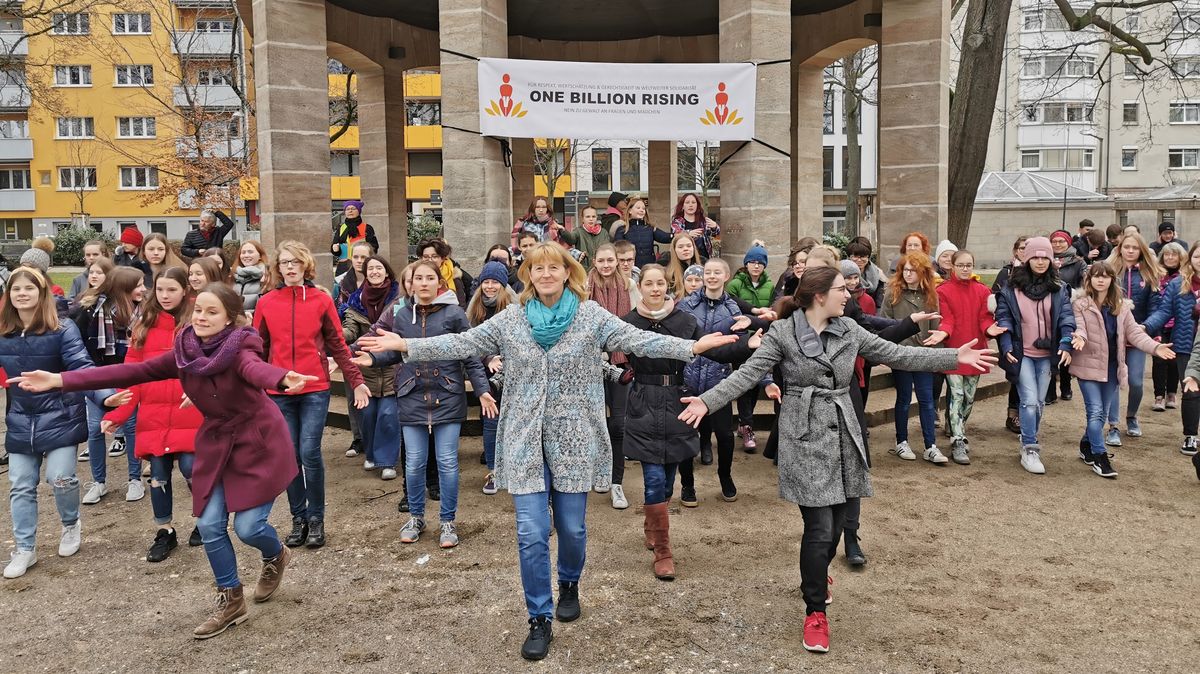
196	242
643	237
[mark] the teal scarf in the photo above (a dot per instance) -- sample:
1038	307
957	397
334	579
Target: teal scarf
549	324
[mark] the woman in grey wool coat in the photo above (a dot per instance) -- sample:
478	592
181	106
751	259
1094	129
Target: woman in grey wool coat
822	462
551	435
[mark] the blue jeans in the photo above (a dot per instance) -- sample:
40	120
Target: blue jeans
1135	360
533	543
1032	381
23	472
251	527
161	492
905	383
305	416
416	457
97	456
381	431
1097	398
659	479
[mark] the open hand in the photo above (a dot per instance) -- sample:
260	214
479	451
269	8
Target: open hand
980	359
935	337
293	382
995	330
1164	352
773	392
740	323
755	339
383	341
495	364
694	412
712	341
107	427
925	316
1078	342
119	398
362	396
487	406
363	359
37	381
1010	358
1189	385
1064	358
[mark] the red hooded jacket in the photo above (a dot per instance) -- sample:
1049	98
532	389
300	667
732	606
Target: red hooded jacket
299	325
965	316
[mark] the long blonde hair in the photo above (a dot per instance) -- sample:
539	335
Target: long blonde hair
675	267
170	259
1147	261
45	318
553	253
1186	271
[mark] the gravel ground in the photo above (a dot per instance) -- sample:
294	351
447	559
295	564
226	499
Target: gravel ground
978	568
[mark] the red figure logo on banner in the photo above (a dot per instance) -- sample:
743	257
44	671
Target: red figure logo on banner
721	115
506	107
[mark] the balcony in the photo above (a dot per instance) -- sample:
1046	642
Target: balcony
203	4
14	97
423	137
16	149
17	200
206	96
202	45
221	148
13	43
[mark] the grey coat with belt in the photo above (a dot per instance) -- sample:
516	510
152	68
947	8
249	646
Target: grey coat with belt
822	459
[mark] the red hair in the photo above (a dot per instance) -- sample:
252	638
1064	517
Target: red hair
678	214
924	241
925	278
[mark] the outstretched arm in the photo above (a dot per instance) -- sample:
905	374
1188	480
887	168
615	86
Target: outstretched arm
121	376
750	374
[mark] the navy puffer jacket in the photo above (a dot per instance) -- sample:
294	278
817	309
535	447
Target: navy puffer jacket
643	236
1180	307
40	422
712	316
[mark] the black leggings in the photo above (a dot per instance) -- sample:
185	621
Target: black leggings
1165	373
822	531
720	422
1189	407
616	395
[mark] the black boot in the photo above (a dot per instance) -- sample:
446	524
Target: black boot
854	553
403	505
316	533
706	457
537	644
194	541
568	601
299	533
164	543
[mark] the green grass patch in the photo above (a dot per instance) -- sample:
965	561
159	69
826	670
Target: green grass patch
62	278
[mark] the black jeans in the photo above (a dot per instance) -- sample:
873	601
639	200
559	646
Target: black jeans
1165	373
616	395
822	531
1189	407
720	423
745	407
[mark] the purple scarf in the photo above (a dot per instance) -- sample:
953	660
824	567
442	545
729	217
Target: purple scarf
212	357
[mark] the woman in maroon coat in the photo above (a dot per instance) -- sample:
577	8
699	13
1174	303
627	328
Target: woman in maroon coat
244	455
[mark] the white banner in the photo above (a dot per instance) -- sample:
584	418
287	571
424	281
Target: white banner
638	101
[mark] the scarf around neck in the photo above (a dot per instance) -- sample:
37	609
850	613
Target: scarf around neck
593	229
375	298
656	316
610	293
549	323
447	272
212	357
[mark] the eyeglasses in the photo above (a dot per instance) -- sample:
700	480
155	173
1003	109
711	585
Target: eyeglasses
965	265
799	265
431	258
289	263
838	289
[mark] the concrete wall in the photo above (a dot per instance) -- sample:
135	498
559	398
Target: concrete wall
995	227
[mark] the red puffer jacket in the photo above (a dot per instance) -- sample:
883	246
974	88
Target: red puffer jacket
964	309
162	428
299	325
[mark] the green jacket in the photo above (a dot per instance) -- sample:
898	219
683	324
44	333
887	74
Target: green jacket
758	296
588	243
911	302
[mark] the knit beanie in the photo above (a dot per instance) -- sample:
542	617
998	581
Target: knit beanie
849	268
36	258
694	270
616	198
495	271
942	247
1038	246
132	236
755	254
1061	234
355	203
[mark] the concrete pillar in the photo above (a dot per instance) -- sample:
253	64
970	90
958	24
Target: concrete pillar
808	86
914	112
663	165
522	176
477	190
292	104
383	160
755	190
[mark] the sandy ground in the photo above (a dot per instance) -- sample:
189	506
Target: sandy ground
979	568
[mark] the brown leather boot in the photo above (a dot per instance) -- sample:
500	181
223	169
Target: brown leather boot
660	533
230	610
272	574
646	531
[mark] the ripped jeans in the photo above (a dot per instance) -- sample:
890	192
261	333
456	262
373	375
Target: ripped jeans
23	473
161	491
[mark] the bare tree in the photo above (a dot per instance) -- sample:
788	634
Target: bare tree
856	78
699	169
552	159
343	110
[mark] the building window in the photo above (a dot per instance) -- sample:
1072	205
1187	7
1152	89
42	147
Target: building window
1187	25
14	179
827	167
193	225
71	24
1058	159
712	166
139	178
1123	218
1187	67
136	127
601	169
423	113
1183	157
158	228
1129	158
77	178
827	118
1133	23
1184	113
631	169
122	226
1131	69
131	24
60	226
1031	159
1043	19
1129	113
75	127
10	230
1064	113
343	163
1031	114
214	78
214	26
14	128
72	76
1057	66
134	76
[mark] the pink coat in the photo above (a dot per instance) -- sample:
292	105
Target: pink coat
1091	362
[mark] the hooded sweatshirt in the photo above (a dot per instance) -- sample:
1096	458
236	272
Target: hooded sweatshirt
299	328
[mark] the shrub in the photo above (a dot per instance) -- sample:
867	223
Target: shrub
422	227
837	240
68	245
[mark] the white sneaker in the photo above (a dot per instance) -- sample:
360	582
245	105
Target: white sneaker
903	451
95	491
368	465
136	491
69	544
21	561
618	497
600	490
934	455
1031	459
83	453
388	474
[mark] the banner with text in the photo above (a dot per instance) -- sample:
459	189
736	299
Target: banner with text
636	101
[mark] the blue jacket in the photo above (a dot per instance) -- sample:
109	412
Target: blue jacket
434	392
642	236
1144	294
1173	305
1008	315
711	316
40	422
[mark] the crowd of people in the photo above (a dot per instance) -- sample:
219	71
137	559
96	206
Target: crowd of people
586	347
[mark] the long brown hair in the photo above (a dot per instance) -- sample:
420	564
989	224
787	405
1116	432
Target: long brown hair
45	317
230	300
211	268
529	215
815	281
1114	298
151	308
477	312
675	267
170	259
262	254
118	288
925	282
1186	271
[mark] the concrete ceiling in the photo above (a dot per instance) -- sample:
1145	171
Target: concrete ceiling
584	20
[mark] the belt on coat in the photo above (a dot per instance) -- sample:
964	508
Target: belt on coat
659	379
806	395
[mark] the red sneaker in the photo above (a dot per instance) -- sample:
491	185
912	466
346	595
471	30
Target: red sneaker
816	633
828	592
